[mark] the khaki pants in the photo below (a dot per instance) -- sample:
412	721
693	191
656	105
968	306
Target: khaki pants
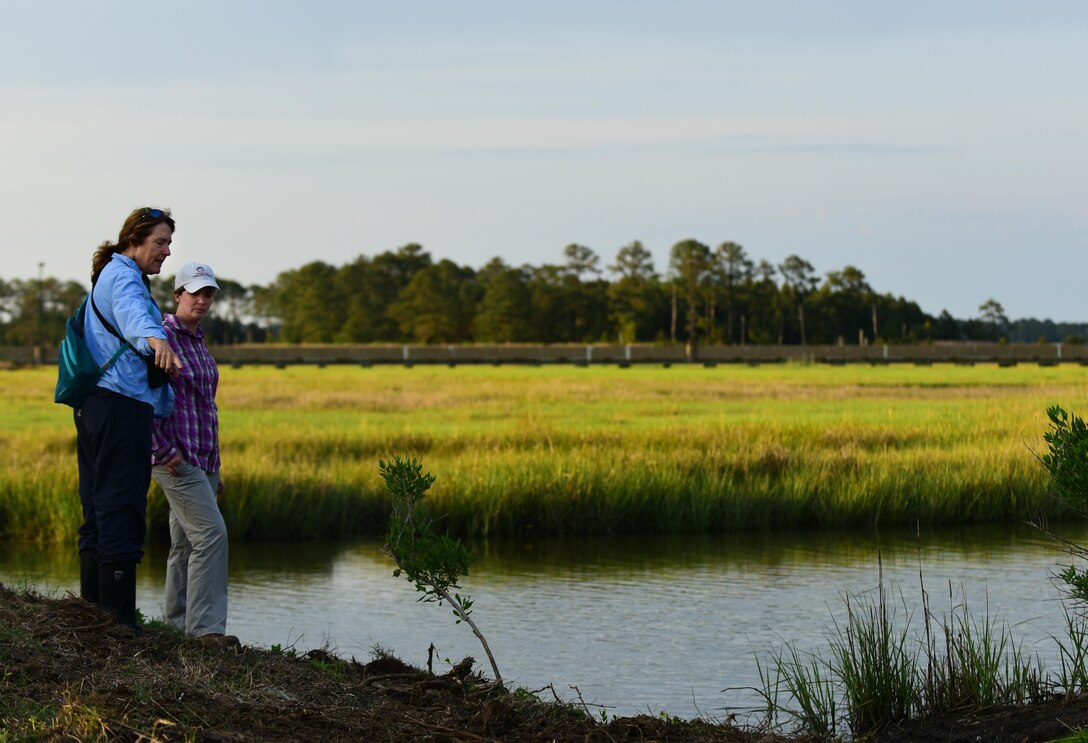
196	568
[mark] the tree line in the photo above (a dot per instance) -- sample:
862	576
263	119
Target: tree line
705	295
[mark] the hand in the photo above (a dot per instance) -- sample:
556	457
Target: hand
220	487
172	464
165	358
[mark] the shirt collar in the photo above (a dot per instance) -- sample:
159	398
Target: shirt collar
131	264
171	321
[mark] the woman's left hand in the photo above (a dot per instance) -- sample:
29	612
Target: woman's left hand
171	465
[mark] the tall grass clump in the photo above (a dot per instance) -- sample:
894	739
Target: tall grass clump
1073	650
801	687
871	655
977	663
878	671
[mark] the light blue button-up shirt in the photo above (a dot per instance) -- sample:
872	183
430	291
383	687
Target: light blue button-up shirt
123	296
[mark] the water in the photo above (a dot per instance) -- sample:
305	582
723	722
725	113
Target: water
632	625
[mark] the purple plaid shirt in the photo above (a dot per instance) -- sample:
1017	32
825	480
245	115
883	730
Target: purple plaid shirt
193	428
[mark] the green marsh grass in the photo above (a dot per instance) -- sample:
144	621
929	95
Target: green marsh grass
877	671
597	450
1073	656
872	656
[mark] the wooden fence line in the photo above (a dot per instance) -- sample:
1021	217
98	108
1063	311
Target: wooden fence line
1004	354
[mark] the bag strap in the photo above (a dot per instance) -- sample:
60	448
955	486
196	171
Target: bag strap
106	324
78	319
116	355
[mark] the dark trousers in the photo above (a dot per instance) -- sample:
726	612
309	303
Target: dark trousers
113	449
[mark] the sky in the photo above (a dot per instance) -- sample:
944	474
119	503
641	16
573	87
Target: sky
939	146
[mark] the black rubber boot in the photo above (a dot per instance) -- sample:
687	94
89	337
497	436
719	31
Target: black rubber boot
88	575
117	592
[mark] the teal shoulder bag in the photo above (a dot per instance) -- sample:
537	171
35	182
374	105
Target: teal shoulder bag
77	371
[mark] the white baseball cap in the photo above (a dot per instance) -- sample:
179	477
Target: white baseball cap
195	276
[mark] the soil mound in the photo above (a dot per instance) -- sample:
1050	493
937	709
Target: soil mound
68	673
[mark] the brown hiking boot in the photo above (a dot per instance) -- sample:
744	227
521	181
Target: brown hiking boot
218	638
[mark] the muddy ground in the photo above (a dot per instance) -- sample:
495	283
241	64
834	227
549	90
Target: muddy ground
68	673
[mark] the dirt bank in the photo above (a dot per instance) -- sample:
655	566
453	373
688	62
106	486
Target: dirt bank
68	673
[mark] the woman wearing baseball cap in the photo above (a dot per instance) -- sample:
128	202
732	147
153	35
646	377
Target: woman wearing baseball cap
185	449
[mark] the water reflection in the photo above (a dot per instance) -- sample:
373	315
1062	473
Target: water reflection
635	624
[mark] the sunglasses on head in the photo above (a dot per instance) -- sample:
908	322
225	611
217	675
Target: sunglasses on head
145	215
